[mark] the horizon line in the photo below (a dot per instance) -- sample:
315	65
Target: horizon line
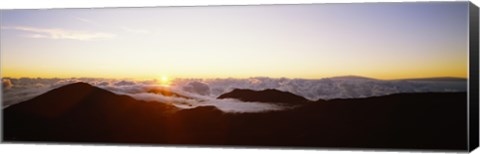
206	78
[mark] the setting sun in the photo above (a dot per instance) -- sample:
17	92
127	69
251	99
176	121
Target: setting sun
164	80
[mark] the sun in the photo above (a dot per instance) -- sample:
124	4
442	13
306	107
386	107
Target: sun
165	80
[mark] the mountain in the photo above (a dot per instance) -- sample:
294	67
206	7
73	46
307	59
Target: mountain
268	95
352	77
82	113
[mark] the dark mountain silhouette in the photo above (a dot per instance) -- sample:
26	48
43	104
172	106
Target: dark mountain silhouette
83	113
268	95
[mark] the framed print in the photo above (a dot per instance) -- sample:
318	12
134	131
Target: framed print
396	76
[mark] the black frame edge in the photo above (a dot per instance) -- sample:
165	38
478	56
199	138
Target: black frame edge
473	107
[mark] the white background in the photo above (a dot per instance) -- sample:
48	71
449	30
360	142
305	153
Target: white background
112	149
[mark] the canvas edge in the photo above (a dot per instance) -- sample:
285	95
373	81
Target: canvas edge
473	79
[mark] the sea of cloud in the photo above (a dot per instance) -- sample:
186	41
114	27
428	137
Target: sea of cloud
18	90
204	92
325	88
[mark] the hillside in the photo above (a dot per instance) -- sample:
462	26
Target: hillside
268	95
82	113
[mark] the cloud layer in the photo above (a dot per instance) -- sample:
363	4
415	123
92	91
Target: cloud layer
18	90
330	88
203	92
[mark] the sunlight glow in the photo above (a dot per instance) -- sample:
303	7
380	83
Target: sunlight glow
165	81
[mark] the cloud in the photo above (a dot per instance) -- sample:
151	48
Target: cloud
27	88
225	105
6	84
56	33
203	92
124	83
124	28
236	106
197	87
329	88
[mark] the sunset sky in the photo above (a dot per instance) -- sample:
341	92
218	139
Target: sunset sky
378	40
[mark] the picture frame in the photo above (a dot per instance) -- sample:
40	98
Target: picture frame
195	86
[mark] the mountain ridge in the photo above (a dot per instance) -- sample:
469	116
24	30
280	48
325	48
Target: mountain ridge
267	96
411	121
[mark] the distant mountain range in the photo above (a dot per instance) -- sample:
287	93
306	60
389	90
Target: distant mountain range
83	113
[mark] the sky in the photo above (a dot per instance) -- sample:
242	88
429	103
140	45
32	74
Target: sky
378	40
